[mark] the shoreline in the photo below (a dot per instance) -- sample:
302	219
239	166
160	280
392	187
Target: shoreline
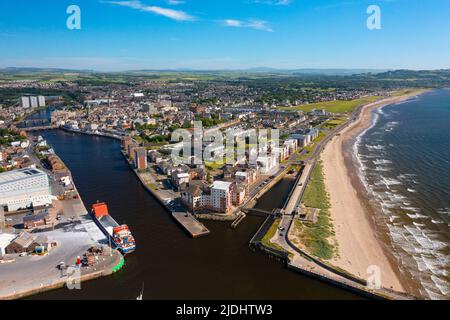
361	239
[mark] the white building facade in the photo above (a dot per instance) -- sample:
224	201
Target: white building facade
23	188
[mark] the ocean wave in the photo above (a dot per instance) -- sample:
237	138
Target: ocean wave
444	211
378	162
390	181
415	246
416	215
441	285
375	147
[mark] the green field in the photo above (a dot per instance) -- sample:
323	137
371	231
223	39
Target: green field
338	106
269	235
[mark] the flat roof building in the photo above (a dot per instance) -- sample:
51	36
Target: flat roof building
24	188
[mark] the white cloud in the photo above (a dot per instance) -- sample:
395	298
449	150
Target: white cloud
232	23
274	2
169	13
253	24
175	2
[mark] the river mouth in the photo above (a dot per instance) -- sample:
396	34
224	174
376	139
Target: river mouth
173	266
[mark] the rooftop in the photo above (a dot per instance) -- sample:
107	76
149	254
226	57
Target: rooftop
221	185
19	174
6	238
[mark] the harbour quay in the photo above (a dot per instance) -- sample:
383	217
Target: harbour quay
190	224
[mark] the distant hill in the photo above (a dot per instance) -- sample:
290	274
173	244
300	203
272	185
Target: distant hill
318	71
25	70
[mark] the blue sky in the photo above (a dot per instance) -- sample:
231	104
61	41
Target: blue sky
225	34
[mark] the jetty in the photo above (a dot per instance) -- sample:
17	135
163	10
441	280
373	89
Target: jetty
194	227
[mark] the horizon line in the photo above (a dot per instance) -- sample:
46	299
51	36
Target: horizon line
249	69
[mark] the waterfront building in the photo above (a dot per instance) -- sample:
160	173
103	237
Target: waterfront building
196	197
131	148
178	178
239	193
221	196
23	188
140	158
247	176
303	139
199	196
92	127
41	101
268	163
24	102
34	102
126	142
292	145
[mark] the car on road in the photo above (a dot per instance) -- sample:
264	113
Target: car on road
281	228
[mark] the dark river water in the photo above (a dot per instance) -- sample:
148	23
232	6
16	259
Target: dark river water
171	264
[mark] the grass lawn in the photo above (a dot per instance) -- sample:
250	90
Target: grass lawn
331	124
316	236
310	147
339	106
269	235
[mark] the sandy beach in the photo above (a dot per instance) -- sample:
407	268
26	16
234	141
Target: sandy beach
359	242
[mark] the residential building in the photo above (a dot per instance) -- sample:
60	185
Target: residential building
24	102
239	193
197	196
34	102
268	164
140	158
41	101
220	196
178	178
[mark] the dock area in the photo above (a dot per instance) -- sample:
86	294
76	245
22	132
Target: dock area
188	221
75	235
194	227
